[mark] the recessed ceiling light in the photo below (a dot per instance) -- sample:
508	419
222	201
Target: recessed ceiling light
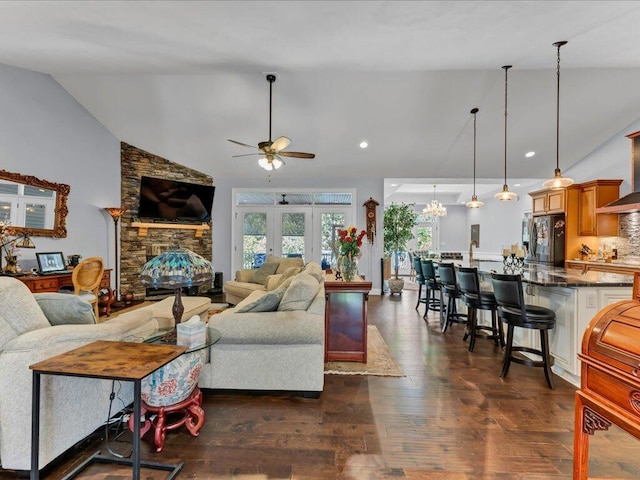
364	144
516	184
529	154
394	184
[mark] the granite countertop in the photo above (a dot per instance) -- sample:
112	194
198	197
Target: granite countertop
549	276
621	263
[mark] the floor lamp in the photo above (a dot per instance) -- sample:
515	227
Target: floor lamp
116	213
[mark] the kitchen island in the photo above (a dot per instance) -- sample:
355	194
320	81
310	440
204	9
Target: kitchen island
575	295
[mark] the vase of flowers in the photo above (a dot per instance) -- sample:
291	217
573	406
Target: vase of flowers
349	245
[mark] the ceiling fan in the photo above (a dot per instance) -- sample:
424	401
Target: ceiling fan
272	151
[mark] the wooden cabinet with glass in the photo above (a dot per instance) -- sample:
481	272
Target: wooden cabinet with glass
595	194
547	202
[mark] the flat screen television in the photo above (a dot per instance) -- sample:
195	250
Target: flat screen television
171	200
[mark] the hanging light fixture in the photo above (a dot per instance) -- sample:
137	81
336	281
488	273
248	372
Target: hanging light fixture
474	203
558	182
435	209
505	195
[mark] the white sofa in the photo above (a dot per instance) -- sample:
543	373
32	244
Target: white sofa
71	408
271	350
243	285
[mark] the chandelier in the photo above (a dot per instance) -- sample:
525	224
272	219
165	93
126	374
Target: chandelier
435	208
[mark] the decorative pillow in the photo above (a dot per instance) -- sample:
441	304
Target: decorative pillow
62	308
265	303
300	293
252	297
286	263
261	274
289	272
312	268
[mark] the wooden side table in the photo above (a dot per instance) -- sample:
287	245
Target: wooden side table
109	360
345	320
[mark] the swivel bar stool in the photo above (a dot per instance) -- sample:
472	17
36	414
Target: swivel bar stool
476	299
515	313
450	289
433	285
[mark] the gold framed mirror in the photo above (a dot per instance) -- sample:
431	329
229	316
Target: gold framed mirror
34	206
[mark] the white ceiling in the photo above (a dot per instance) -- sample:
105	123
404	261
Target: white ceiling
179	78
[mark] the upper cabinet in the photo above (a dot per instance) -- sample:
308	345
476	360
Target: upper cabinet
594	194
547	202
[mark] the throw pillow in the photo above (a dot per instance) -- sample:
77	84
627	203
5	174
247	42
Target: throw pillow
285	263
265	303
261	274
300	294
288	273
313	268
62	308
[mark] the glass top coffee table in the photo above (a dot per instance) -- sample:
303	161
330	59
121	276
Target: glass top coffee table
169	336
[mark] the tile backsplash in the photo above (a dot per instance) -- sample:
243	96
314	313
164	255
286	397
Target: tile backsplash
628	241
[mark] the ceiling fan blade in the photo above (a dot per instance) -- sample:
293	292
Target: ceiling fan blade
297	154
240	143
280	143
247	155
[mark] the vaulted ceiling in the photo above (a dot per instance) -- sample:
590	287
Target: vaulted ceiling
179	78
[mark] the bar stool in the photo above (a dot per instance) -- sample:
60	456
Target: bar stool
419	279
515	313
433	285
450	289
476	299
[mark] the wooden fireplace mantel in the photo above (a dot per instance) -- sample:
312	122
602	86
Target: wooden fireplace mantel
143	228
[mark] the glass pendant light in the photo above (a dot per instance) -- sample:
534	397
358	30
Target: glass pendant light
558	182
474	203
505	195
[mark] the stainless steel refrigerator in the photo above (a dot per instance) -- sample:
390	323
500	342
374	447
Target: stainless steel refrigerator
546	240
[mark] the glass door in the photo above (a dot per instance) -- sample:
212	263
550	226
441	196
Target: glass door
327	221
256	237
292	233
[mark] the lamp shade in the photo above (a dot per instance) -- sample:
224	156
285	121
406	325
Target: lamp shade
176	268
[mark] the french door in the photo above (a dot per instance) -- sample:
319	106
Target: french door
308	232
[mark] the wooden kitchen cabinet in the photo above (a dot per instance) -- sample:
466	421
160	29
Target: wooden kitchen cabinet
547	202
595	194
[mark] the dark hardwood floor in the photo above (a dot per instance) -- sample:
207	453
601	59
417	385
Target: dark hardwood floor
451	417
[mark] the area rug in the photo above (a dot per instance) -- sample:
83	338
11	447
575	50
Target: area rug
379	360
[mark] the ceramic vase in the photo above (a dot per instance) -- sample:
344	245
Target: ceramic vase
12	264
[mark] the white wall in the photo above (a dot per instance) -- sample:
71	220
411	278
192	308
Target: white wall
44	132
454	232
365	187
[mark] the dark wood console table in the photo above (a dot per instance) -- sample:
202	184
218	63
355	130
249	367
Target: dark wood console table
52	283
345	320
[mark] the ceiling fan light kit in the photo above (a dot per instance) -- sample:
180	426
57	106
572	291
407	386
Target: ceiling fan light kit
272	151
558	182
505	195
474	203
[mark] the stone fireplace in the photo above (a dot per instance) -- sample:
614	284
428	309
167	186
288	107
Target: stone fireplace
136	249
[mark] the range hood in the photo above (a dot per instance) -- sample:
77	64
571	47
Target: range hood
628	203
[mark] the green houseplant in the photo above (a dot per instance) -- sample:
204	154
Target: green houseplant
399	221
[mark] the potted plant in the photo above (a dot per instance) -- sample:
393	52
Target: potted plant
399	220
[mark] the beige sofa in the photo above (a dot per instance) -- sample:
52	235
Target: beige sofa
244	284
279	349
71	408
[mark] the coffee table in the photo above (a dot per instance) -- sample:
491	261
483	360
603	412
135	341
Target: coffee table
124	361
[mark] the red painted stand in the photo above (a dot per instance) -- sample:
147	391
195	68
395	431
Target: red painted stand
192	418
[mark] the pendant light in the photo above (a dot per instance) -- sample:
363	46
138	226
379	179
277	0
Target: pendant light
505	195
435	209
474	203
558	182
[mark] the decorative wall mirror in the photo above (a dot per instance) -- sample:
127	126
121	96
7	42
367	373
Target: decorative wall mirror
34	206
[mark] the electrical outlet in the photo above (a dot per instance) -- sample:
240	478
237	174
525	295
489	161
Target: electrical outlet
591	300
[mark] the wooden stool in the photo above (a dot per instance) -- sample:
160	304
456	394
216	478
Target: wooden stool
190	412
